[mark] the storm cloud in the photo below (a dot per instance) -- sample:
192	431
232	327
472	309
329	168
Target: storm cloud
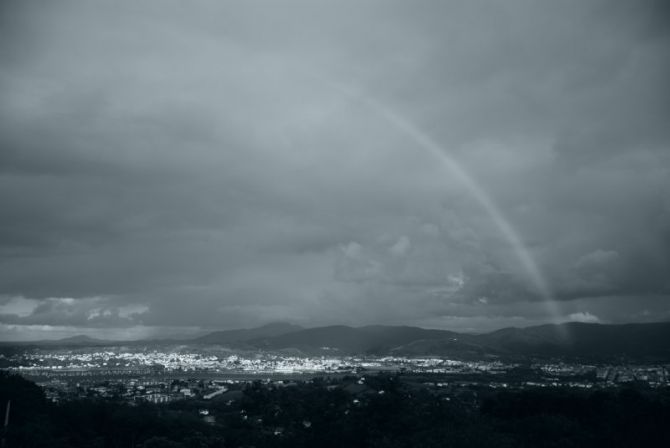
168	167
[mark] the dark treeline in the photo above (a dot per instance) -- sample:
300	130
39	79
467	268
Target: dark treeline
340	414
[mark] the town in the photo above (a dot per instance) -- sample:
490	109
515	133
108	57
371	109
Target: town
164	376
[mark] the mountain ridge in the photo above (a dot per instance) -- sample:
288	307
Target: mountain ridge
649	341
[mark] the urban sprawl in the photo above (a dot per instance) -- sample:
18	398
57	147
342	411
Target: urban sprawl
160	377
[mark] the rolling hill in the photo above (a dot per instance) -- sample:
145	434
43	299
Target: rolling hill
636	341
648	342
344	339
228	337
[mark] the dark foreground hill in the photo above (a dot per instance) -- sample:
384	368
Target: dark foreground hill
339	412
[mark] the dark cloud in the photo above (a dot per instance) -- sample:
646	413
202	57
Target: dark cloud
168	166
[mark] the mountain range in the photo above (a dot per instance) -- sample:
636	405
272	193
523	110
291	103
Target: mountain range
650	341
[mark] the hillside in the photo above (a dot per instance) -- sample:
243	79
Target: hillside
344	339
228	337
636	341
648	342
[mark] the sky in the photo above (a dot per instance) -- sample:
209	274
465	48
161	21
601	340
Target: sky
171	167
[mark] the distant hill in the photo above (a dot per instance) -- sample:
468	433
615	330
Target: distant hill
371	339
636	341
79	340
649	342
462	347
228	337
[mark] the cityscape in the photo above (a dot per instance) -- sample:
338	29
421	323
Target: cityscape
159	377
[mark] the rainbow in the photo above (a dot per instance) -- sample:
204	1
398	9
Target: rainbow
425	141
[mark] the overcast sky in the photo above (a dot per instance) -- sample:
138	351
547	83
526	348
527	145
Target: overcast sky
169	166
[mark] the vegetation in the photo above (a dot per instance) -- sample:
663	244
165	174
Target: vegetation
384	411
